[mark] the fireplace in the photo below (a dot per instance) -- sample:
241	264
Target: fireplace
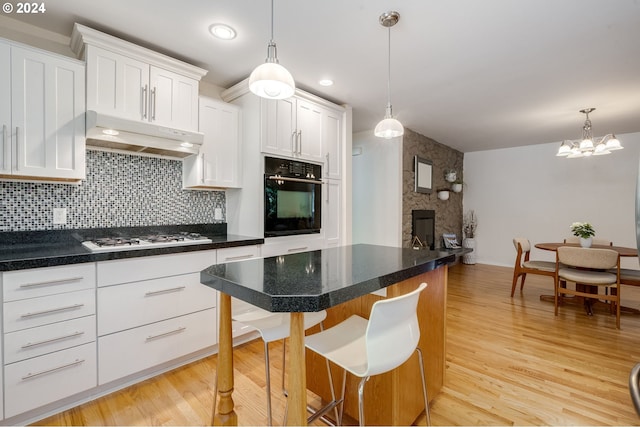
423	226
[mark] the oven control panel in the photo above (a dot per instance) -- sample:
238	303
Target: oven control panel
291	168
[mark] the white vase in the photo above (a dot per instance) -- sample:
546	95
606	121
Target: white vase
586	243
443	195
456	187
469	243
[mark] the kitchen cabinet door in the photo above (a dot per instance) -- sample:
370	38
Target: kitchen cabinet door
173	99
5	108
116	84
332	144
279	126
47	121
217	165
292	128
331	221
309	130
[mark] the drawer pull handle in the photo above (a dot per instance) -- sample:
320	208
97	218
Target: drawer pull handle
51	282
165	291
53	310
297	249
239	257
166	334
49	371
50	340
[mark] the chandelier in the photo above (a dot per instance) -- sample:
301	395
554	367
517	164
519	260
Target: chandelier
587	146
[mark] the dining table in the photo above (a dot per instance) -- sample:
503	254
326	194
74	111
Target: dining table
588	303
307	282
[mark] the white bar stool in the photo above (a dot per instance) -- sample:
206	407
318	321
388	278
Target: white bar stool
271	327
375	346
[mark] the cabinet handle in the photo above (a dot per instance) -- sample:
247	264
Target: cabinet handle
52	310
166	334
145	89
297	249
18	150
300	142
51	282
327	199
294	143
153	105
327	167
57	368
4	140
236	258
164	291
50	340
202	179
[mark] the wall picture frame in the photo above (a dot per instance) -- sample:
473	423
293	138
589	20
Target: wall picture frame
423	171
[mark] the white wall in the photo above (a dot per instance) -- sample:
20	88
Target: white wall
529	192
377	171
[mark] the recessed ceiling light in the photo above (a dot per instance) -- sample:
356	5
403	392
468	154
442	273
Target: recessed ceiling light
186	144
111	132
325	82
222	31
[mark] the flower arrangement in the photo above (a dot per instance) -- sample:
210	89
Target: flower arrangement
469	224
582	229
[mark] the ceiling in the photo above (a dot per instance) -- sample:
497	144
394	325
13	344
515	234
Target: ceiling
471	74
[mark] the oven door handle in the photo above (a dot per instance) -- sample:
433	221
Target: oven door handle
305	181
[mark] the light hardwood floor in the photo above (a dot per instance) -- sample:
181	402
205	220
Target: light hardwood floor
510	361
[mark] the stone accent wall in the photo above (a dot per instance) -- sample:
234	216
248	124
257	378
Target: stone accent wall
448	212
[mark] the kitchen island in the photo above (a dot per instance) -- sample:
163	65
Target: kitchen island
340	280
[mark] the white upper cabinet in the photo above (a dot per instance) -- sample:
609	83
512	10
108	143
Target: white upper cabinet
117	85
292	127
42	108
218	163
128	81
332	145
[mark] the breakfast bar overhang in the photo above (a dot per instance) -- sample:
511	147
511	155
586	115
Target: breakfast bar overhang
340	280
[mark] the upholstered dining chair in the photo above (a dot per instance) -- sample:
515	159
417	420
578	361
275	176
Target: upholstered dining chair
588	266
594	241
524	265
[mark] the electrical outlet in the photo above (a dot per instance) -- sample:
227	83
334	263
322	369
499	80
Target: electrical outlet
59	215
217	214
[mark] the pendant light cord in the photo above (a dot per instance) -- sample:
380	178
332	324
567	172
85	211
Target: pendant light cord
389	70
271	21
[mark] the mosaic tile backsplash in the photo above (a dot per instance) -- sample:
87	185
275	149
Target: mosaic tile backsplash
121	190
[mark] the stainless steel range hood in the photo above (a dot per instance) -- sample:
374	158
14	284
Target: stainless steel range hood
111	132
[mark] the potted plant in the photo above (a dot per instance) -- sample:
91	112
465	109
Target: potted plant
450	175
584	231
469	226
457	185
443	194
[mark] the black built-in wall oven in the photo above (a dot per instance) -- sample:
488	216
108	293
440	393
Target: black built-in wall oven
292	197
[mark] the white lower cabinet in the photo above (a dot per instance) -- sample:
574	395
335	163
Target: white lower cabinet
35	382
274	246
153	310
135	350
49	329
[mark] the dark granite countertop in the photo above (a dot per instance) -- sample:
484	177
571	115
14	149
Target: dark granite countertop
316	280
20	250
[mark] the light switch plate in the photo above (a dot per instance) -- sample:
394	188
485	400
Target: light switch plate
217	214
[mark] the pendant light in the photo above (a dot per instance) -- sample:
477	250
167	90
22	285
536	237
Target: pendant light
389	127
271	80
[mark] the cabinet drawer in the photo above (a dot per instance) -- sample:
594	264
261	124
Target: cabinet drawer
145	268
39	282
45	379
135	304
45	310
274	246
46	339
137	349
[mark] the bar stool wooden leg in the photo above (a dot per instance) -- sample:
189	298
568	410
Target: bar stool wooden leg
225	415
